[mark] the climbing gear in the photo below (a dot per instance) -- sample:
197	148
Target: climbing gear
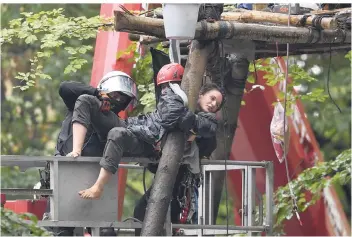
172	72
178	91
188	197
117	81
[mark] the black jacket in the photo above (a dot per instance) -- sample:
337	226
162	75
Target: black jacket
170	114
151	127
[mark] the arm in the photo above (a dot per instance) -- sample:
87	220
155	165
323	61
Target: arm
71	90
205	124
170	109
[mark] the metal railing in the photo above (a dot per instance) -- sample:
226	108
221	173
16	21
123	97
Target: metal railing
205	224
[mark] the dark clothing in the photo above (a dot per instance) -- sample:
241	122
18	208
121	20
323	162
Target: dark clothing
87	112
139	135
122	142
75	94
152	126
71	90
84	99
142	132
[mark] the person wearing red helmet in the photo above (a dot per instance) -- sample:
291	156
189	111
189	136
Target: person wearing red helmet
143	132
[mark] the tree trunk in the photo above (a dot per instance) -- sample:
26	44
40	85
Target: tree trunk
277	18
234	84
169	164
234	30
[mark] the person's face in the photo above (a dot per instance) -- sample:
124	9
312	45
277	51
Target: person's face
210	101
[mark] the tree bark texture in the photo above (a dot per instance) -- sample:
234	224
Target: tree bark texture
161	193
278	18
169	164
234	30
145	39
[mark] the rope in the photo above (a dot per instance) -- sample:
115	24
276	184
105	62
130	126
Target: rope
295	207
327	83
224	115
303	20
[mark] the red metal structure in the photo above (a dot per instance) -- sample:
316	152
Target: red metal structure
252	141
108	44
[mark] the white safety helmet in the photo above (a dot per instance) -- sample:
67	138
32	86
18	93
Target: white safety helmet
117	81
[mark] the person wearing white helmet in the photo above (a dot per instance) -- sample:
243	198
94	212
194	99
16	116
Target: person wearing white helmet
115	92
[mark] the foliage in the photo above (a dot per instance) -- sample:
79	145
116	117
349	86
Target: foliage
39	111
24	224
313	78
274	75
49	44
308	187
49	31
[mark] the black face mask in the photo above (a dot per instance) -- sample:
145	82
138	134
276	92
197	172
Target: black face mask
116	107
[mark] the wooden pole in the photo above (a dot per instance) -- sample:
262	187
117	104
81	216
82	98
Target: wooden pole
277	18
144	39
234	30
173	149
227	124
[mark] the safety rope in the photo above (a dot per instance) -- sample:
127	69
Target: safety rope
328	85
295	207
224	118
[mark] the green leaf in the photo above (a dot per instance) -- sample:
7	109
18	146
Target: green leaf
251	79
30	39
70	50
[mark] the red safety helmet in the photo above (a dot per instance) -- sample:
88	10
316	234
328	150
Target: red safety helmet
170	72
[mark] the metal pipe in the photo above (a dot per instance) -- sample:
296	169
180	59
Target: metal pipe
133	225
10	160
269	189
219	227
26	191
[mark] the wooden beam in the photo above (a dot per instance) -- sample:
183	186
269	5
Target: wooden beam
234	30
277	18
145	39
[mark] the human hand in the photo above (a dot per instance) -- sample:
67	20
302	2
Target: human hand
105	105
73	154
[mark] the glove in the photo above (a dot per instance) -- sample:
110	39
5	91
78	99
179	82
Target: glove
187	120
205	124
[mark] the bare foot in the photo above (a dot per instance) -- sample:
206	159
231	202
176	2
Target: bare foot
93	192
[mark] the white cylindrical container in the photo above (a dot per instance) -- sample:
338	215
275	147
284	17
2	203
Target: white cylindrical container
180	20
